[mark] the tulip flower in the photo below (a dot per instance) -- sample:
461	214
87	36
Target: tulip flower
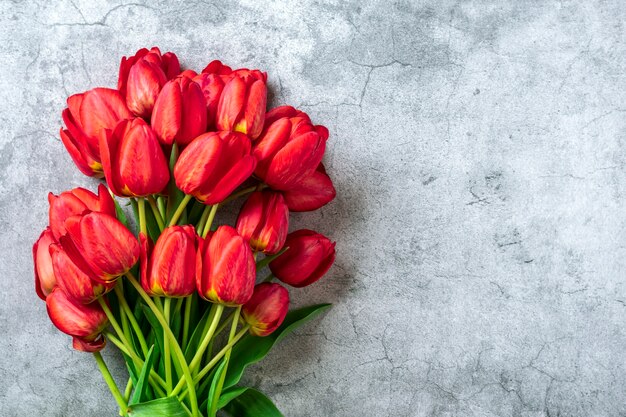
289	150
213	165
108	248
170	270
133	161
84	322
226	270
212	85
242	103
45	280
75	202
72	273
311	193
264	221
308	258
179	114
85	117
143	75
267	308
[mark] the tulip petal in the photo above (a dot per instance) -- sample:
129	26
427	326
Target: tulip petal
295	161
102	108
231	104
167	112
240	172
311	193
45	280
254	114
197	162
84	321
194	114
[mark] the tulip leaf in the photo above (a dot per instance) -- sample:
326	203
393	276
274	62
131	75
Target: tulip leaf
142	382
214	382
152	226
162	407
121	216
157	332
252	403
229	395
251	349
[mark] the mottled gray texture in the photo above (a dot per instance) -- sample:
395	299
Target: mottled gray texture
478	152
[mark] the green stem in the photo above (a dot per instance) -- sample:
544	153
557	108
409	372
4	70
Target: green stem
161	206
166	347
239	194
114	323
209	221
141	207
216	312
186	319
179	353
269	278
155	211
179	210
111	383
220	383
266	261
129	389
207	368
133	321
203	218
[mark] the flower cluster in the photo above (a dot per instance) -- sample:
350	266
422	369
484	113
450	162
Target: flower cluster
180	145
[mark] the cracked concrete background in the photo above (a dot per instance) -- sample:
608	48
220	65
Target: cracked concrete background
478	151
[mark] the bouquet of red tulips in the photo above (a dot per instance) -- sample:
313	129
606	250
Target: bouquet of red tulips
188	303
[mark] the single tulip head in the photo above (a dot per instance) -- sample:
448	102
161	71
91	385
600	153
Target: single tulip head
226	270
311	193
266	309
179	113
85	117
45	280
264	221
170	270
242	103
309	257
73	274
143	75
107	247
289	149
213	165
133	161
75	202
84	322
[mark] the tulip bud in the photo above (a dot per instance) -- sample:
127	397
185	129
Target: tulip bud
85	117
72	273
267	308
45	280
179	114
170	270
108	248
226	271
311	193
264	221
308	258
75	202
289	150
213	165
143	75
133	161
243	101
84	322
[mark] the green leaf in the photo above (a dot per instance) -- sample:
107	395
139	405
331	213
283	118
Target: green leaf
252	349
214	382
142	383
157	332
196	336
252	403
229	395
163	407
121	216
151	225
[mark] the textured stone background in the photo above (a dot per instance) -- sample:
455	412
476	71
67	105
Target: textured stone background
478	152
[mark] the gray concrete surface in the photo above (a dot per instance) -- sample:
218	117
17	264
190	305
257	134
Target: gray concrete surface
478	150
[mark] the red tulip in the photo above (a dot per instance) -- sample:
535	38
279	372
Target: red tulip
72	273
242	103
264	221
108	248
45	280
143	75
267	308
74	202
84	322
289	150
211	82
85	117
213	165
170	270
133	161
309	256
226	270
311	193
179	114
